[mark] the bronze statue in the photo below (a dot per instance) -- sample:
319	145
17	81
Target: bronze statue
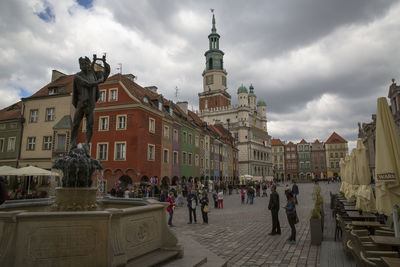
85	95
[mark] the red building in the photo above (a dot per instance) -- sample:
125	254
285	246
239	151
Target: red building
291	167
127	131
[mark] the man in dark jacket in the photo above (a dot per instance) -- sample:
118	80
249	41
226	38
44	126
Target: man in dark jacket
192	203
295	190
3	190
273	206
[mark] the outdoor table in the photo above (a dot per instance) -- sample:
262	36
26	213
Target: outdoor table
391	262
368	224
386	240
356	216
350	208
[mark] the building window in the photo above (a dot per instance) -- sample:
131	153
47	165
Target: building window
209	79
152	125
184	137
2	126
13	126
30	145
103	123
121	122
151	152
201	162
120	150
190	159
332	165
190	139
196	160
102	151
196	141
175	135
1	144
166	132
61	140
223	80
336	155
47	142
184	161
337	164
202	144
102	96
113	96
33	115
50	114
165	156
341	154
175	157
11	144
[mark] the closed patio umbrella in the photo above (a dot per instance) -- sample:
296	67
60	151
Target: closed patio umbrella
365	195
347	173
387	159
342	165
353	184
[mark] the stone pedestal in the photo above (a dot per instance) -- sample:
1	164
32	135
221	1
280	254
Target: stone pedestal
75	199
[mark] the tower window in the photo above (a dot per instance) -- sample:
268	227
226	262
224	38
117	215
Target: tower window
223	79
209	79
210	63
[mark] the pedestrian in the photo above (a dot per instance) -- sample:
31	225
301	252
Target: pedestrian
215	197
171	207
287	190
251	195
192	203
126	193
273	206
292	216
220	200
179	200
204	207
295	191
242	194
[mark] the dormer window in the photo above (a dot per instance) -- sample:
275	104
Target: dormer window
53	90
145	100
160	105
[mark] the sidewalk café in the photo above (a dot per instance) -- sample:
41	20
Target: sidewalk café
368	226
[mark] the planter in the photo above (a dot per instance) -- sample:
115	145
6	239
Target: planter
316	231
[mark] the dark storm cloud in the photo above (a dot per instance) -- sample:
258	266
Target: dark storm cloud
319	64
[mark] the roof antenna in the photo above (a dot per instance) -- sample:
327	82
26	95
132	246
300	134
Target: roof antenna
120	68
176	92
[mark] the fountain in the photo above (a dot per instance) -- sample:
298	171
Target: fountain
77	229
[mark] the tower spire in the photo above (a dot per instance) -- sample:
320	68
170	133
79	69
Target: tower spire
213	30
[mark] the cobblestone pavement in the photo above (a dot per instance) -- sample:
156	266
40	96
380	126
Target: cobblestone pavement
239	233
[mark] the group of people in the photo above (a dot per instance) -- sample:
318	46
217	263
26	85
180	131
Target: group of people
193	200
273	206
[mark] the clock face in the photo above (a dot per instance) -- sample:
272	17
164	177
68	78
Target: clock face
216	57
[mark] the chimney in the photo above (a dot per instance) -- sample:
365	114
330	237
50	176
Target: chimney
184	106
56	74
130	77
152	88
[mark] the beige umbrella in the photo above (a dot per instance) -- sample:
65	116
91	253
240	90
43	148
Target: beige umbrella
342	165
353	181
347	175
387	159
6	170
32	171
365	196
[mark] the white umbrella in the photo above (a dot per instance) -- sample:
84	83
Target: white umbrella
364	194
387	159
32	171
342	165
6	170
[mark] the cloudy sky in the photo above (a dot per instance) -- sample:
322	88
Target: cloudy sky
319	64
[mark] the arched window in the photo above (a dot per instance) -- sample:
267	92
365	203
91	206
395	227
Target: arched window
210	63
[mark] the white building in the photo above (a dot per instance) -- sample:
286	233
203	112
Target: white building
247	121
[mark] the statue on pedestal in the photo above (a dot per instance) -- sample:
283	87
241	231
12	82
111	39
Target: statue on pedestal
85	95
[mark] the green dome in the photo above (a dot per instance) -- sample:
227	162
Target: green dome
251	90
261	103
242	89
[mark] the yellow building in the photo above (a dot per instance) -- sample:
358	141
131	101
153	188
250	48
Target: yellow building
335	149
47	126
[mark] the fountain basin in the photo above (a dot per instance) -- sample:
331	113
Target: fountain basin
118	231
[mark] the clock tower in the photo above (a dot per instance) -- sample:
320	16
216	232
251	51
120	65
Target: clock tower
214	93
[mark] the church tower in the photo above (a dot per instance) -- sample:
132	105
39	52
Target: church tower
214	93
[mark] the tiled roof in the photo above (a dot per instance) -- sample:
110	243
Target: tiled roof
335	138
303	141
65	83
290	143
276	142
11	112
317	142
